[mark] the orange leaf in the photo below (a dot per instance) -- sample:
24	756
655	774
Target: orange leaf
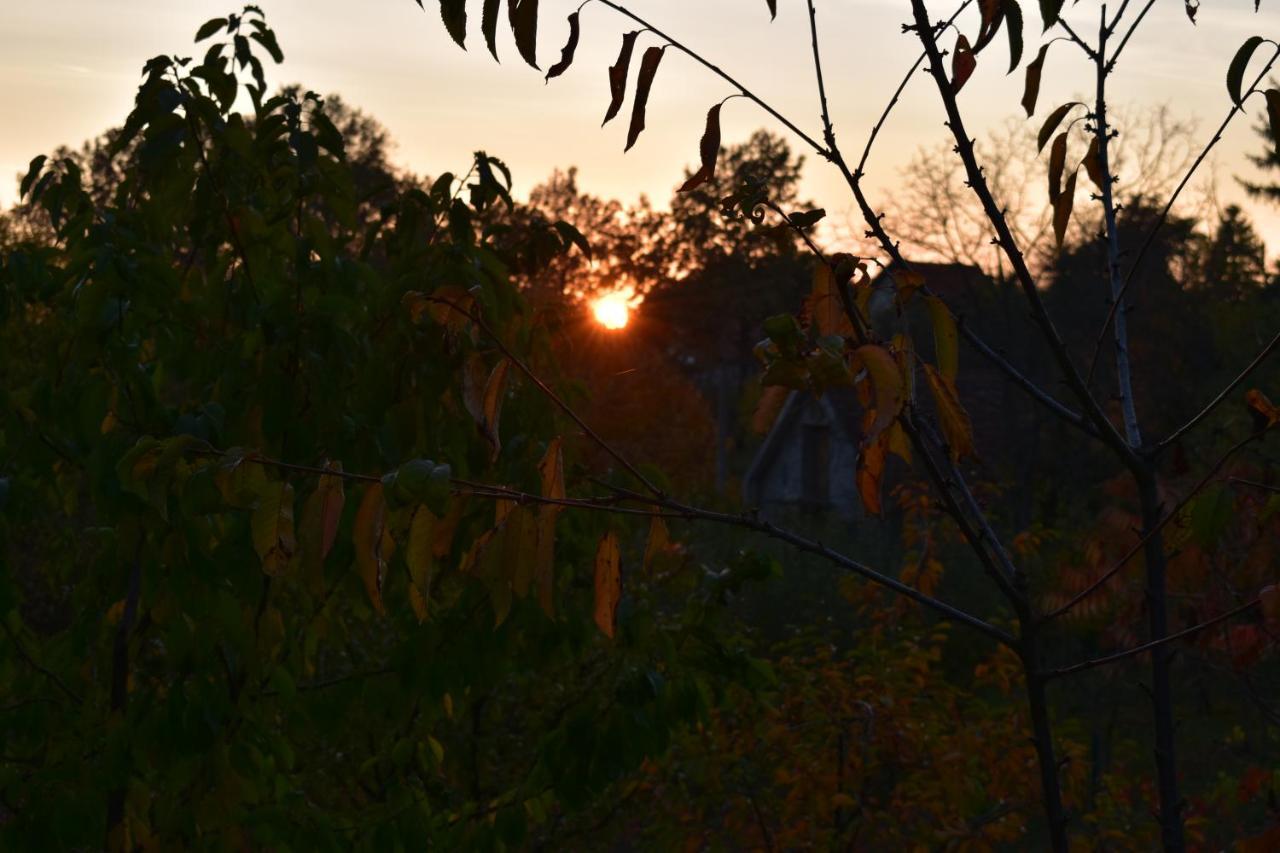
369	541
869	475
887	382
951	415
608	584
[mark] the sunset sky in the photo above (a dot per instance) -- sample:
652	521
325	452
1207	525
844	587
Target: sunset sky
68	70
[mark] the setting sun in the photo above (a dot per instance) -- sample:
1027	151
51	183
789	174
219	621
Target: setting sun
612	310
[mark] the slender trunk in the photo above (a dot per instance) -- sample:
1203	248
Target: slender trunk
1042	737
1171	835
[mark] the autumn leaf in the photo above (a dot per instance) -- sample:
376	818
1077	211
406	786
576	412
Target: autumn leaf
946	340
709	149
1092	163
523	16
659	540
618	76
1062	209
963	63
551	468
1265	413
952	417
644	82
870	473
272	523
1239	62
1057	163
608	584
418	554
368	538
825	306
320	517
1031	91
886	380
566	53
483	397
1051	123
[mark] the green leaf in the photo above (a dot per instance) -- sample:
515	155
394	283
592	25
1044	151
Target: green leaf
566	52
523	15
209	27
273	532
618	76
644	82
946	341
418	553
1051	123
419	481
1235	72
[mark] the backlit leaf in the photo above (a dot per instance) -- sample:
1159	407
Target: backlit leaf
709	149
618	76
368	538
544	564
644	82
952	417
1032	90
273	532
963	62
1051	123
566	52
946	341
886	380
494	393
1266	413
1235	71
825	307
608	584
523	15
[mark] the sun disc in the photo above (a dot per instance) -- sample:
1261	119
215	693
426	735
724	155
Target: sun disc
611	311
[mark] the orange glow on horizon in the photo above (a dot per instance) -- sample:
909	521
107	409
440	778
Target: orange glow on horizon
612	310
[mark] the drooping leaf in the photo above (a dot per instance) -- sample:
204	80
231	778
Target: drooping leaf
825	307
1050	11
963	62
566	53
946	341
1057	163
1051	123
320	517
1062	209
1191	7
608	584
952	417
886	381
1273	114
1092	163
618	76
494	392
551	468
1032	90
273	532
483	397
870	474
1240	62
992	15
489	25
368	537
644	82
1013	16
659	540
773	9
709	149
454	15
523	15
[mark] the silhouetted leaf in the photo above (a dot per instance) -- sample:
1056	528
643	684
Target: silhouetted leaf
644	82
1051	123
1013	14
618	76
1062	209
1235	72
33	172
963	63
709	148
1092	163
523	15
992	15
1192	7
208	28
566	53
1273	114
952	417
608	584
489	25
773	9
1050	10
1032	90
807	218
1057	163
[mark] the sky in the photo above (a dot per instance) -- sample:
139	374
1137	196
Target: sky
69	69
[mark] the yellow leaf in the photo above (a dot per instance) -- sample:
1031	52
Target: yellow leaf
369	539
418	601
898	442
946	341
272	524
608	584
886	380
659	539
954	420
825	307
320	517
552	470
494	388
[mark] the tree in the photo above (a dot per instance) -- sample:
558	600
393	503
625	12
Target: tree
839	346
1269	159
